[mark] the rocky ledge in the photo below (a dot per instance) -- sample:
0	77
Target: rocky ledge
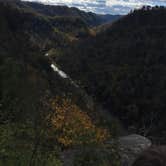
131	147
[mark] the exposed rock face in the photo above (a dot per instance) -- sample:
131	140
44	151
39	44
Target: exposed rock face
131	147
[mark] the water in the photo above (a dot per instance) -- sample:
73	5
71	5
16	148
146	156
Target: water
60	72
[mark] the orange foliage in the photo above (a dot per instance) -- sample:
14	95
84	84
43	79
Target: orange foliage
72	126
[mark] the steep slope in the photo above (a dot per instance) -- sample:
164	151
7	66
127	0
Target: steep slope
26	39
72	22
88	18
42	111
124	68
91	19
61	25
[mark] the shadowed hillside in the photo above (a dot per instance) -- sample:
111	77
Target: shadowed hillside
72	83
43	112
124	68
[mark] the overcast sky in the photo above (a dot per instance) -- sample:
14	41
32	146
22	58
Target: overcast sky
105	6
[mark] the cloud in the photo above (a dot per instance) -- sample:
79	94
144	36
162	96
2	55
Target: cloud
105	6
135	3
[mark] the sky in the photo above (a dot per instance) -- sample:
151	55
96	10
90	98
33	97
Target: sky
105	6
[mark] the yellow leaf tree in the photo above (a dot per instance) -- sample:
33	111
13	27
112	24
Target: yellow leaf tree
72	126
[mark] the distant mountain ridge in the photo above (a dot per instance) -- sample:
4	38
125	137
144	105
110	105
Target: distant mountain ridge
89	18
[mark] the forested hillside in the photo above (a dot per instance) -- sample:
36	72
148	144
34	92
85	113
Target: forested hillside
123	67
73	82
42	114
91	19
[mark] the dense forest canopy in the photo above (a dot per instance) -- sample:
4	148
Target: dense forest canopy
114	73
42	115
124	68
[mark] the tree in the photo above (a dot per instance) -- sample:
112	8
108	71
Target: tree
72	126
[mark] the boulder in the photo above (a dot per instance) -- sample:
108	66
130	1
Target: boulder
130	147
154	156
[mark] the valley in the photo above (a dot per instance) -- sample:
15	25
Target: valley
79	88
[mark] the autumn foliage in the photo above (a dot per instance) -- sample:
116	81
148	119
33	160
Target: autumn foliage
72	126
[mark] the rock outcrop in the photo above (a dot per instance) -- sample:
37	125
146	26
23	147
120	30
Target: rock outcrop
131	147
